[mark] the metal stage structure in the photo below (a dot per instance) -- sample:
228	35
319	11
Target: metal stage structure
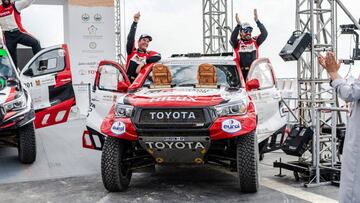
215	26
318	106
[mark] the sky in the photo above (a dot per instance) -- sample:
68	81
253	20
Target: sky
176	26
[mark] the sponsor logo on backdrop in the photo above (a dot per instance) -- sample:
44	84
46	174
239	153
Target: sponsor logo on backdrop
231	126
92	45
98	17
87	72
92	30
85	17
118	128
82	72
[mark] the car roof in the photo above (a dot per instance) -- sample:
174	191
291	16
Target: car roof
215	59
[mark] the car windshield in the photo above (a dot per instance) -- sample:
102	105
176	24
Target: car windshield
197	73
6	68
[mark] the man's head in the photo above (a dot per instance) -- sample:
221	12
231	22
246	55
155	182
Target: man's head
246	30
5	3
144	41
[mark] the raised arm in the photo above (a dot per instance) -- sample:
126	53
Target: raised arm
131	37
234	35
22	4
263	32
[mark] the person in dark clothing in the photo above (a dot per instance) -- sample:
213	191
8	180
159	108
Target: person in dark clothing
138	57
247	47
14	33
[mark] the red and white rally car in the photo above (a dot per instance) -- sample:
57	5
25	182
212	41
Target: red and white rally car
188	109
40	95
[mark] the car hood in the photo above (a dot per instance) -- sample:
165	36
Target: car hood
7	94
182	97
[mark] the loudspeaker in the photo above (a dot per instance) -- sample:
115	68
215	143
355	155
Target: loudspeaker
298	140
295	46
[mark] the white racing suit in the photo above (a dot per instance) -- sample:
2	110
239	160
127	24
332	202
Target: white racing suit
14	33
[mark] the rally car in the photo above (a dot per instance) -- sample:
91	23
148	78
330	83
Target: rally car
40	95
188	109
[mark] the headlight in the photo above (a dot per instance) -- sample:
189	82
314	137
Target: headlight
122	111
232	109
16	104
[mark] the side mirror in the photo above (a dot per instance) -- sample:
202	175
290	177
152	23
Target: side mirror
122	86
12	82
29	72
252	85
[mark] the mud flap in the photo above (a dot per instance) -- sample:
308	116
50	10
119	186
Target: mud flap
91	140
179	150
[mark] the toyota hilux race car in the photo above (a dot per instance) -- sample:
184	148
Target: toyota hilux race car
40	95
188	109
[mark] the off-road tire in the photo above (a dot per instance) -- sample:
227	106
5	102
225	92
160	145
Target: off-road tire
247	154
115	174
27	144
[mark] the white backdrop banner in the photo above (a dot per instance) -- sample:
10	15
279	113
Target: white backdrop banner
91	38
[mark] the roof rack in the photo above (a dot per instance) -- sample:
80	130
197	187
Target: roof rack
195	55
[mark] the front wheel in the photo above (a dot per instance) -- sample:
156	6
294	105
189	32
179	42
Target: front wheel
115	171
27	144
247	154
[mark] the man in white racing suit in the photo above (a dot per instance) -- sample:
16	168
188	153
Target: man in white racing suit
14	33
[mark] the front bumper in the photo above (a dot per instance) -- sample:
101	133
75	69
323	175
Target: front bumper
14	120
213	127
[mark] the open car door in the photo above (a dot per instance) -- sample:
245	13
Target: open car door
270	111
111	82
47	77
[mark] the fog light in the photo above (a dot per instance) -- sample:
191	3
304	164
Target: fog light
159	160
198	161
151	151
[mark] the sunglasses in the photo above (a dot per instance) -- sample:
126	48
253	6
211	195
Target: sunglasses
247	30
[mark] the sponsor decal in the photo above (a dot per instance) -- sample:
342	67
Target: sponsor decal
137	59
172	115
231	126
38	83
174	145
176	90
6	13
173	99
118	128
48	81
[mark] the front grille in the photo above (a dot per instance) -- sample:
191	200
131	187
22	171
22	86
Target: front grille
203	133
172	118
